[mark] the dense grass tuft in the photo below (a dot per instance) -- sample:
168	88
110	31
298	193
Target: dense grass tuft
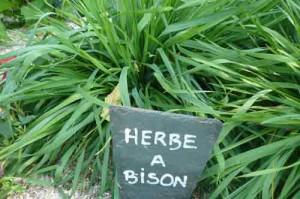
235	60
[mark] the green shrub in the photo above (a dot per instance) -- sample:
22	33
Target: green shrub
16	13
235	60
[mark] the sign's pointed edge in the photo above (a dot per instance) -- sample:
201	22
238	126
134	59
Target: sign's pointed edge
211	121
111	107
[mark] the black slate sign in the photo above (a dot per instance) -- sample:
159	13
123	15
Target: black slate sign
160	155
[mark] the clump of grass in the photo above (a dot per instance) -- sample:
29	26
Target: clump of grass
234	60
9	186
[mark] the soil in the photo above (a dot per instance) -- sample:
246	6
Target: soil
37	192
16	41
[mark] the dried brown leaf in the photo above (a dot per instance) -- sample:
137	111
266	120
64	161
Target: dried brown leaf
114	98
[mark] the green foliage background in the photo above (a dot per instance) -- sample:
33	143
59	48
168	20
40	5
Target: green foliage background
19	13
235	60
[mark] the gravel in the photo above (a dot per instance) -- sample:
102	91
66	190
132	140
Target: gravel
16	41
37	192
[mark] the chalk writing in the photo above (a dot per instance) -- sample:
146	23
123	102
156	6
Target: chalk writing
173	141
166	180
157	159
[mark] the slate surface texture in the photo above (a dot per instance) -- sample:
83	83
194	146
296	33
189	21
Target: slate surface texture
181	162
